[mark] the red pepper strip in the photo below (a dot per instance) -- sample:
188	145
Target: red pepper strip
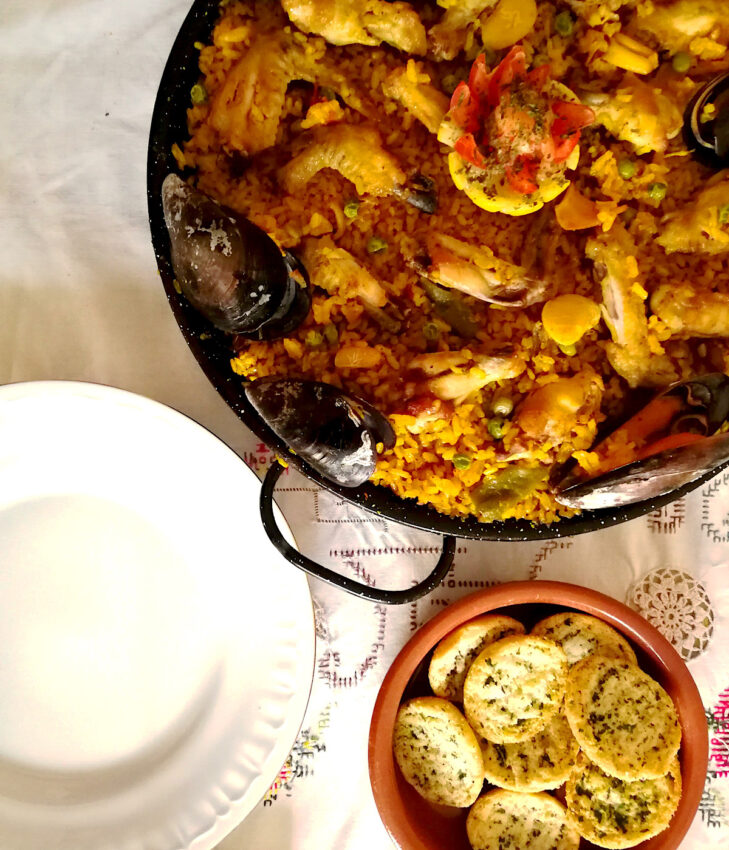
466	146
565	129
478	79
511	67
521	175
539	76
464	109
672	441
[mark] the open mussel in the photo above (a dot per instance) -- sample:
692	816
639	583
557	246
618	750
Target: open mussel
706	122
677	438
229	269
335	433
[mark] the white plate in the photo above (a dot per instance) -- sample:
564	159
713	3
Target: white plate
156	652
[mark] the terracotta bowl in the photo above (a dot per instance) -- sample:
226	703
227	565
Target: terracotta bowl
415	824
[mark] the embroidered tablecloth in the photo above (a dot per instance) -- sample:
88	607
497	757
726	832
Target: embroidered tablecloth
80	299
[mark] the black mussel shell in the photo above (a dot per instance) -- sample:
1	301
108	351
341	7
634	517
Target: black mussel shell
709	140
650	478
335	433
421	192
229	269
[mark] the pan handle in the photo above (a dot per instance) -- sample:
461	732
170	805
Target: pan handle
356	588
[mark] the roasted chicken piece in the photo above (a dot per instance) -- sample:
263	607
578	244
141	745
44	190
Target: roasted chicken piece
552	411
246	110
412	90
454	375
702	226
637	112
367	22
634	353
690	311
597	12
448	37
356	152
675	25
335	270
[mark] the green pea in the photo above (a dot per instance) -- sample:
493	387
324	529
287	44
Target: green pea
431	331
657	192
495	427
626	168
564	23
351	208
198	94
502	406
376	245
681	62
724	214
331	334
313	339
461	461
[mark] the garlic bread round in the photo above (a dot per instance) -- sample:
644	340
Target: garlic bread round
514	687
438	752
622	719
456	651
581	635
618	813
508	820
540	763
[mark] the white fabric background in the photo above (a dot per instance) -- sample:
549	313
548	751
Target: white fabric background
80	298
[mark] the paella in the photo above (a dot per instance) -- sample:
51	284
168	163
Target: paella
452	246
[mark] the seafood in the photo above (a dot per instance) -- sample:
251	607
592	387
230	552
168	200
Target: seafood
357	153
335	433
229	269
702	225
514	134
450	375
413	91
690	311
475	271
360	22
706	129
552	411
247	109
675	439
637	112
448	36
634	353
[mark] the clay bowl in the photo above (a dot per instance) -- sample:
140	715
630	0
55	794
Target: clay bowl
415	824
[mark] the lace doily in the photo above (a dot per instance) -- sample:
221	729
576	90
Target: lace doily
678	606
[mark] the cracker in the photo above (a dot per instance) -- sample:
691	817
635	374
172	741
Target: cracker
514	687
617	813
438	752
537	764
581	635
507	820
455	653
622	718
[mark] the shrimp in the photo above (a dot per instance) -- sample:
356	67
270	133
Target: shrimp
422	100
335	270
246	110
552	411
448	36
702	226
690	311
454	375
633	352
675	25
475	271
357	153
637	112
368	22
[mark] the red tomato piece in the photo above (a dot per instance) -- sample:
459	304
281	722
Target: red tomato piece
512	67
539	76
464	108
478	79
466	146
577	115
521	175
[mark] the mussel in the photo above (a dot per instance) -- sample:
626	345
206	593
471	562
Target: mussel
335	433
674	440
706	122
229	269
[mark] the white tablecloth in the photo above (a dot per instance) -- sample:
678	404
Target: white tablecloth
80	298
